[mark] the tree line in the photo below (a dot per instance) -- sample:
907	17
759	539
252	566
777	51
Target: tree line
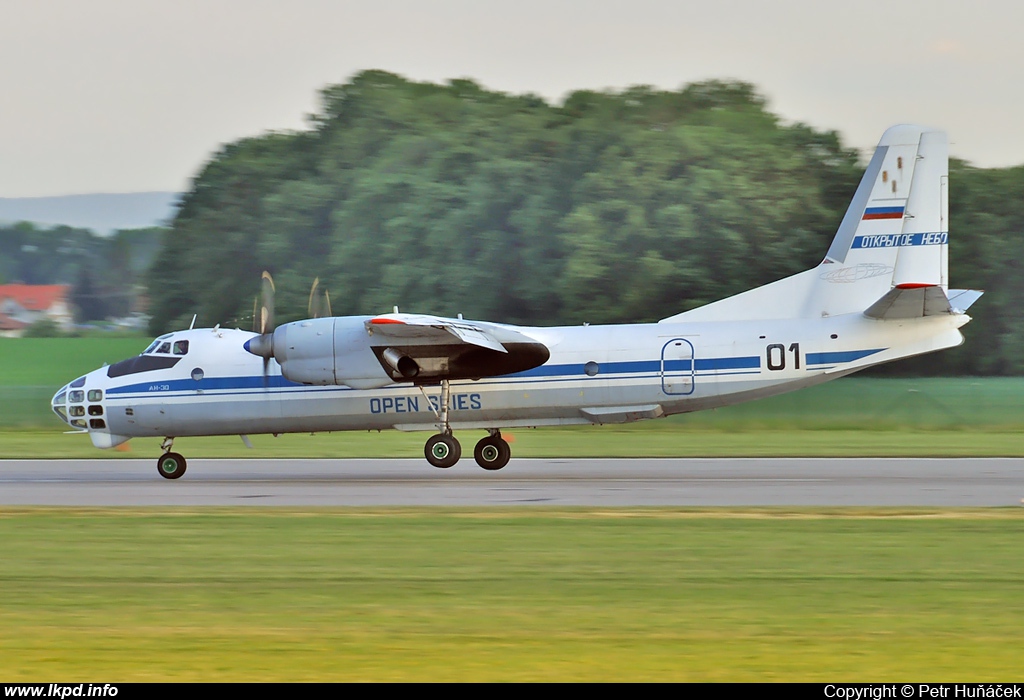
105	273
607	207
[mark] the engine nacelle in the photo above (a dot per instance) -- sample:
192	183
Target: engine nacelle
325	351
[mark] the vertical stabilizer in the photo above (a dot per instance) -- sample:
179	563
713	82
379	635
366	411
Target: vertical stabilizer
894	235
899	215
896	231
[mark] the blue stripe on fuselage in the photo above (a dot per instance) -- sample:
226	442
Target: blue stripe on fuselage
569	371
555	372
824	358
206	384
702	365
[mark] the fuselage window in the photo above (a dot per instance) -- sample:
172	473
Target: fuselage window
95	394
76	396
181	347
165	348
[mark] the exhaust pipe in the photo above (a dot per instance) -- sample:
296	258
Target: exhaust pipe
403	364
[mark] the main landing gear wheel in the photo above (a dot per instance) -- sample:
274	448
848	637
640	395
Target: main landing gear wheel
492	453
171	465
442	451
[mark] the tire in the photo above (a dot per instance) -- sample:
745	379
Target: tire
492	453
442	451
171	465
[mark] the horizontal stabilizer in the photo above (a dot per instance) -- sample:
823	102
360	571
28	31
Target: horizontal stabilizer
962	299
917	301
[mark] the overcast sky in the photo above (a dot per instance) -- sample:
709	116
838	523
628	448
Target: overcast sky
135	95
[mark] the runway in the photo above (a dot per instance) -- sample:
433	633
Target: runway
524	482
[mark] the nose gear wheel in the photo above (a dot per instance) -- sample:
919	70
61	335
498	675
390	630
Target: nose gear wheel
171	465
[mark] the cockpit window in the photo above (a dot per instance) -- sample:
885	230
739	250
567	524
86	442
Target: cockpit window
158	346
142	363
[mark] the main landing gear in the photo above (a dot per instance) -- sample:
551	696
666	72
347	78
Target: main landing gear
492	453
171	465
443	450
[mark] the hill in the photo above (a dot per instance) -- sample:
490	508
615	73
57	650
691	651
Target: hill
103	213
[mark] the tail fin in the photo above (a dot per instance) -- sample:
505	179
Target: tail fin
899	217
894	235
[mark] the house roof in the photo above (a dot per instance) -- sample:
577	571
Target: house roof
34	297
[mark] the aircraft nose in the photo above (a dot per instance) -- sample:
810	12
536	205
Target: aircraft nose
59	404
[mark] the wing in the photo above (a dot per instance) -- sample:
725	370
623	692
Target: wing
425	348
434	328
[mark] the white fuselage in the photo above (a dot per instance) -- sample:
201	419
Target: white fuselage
595	374
881	293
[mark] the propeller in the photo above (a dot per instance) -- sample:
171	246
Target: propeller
319	303
263	318
263	323
267	310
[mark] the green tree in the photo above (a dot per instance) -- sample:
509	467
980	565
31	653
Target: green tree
611	206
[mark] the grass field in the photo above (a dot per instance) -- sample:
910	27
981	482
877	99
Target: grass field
534	594
525	595
32	369
53	362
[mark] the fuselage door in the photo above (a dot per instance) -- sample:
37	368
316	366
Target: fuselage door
677	367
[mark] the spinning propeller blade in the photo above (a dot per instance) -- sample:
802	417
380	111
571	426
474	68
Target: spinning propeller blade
319	303
267	311
263	318
267	319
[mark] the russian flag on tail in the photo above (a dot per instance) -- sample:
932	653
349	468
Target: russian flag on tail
873	213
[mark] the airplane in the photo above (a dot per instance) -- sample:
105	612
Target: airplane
880	294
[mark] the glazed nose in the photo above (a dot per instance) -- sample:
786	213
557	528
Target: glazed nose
59	405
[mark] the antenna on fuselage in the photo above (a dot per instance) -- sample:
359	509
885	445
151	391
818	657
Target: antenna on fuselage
193	324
